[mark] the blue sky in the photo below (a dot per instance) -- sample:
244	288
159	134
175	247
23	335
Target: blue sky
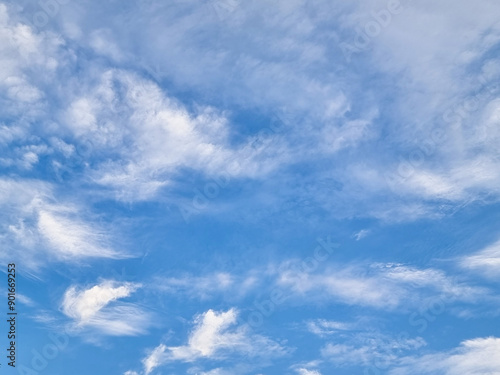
222	187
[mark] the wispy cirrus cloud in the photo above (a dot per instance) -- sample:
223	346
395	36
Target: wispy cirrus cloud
196	286
485	261
41	228
71	238
157	137
120	107
210	285
369	349
141	136
382	286
303	371
25	54
475	356
324	328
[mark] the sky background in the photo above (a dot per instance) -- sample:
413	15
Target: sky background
227	187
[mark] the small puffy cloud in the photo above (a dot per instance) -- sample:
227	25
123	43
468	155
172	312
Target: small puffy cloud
97	308
361	234
215	335
83	305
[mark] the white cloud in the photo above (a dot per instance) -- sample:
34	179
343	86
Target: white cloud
343	286
199	285
46	317
361	234
41	228
348	135
303	371
25	299
28	64
70	238
440	175
209	285
383	286
101	41
437	56
155	359
215	336
322	327
486	261
84	305
273	75
370	349
348	354
148	137
96	308
475	357
151	137
459	166
217	371
238	369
